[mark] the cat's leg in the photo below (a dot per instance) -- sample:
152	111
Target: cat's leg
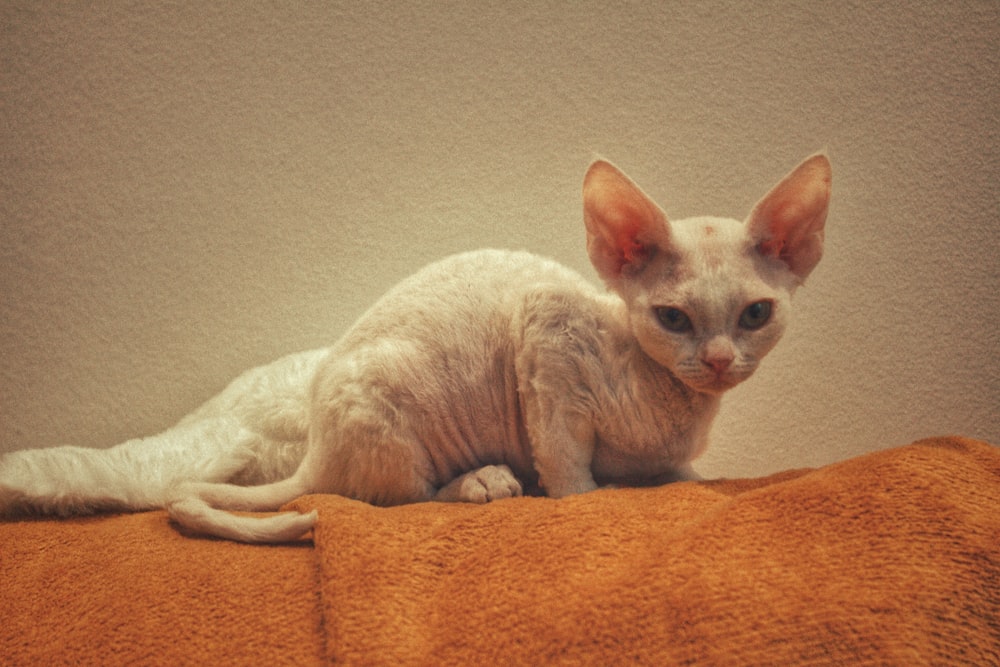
562	446
685	473
554	368
481	486
353	451
681	473
341	461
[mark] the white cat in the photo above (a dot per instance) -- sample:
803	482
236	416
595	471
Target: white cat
482	376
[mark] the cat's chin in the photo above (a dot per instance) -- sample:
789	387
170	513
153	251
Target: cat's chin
715	386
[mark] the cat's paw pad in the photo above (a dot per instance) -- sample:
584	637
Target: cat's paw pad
489	483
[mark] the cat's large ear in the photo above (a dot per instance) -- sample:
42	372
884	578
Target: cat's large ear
624	226
787	223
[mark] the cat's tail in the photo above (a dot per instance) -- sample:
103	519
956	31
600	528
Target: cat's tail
196	510
138	474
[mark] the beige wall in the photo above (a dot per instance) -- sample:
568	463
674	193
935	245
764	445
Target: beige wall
192	189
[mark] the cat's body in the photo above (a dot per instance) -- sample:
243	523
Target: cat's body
481	376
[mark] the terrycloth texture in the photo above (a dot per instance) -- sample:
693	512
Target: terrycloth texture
130	590
891	558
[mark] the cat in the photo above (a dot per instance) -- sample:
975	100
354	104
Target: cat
484	376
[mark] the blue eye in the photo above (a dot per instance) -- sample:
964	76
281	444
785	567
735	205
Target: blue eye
755	315
672	319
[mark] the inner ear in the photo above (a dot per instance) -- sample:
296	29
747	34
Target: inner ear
624	226
788	223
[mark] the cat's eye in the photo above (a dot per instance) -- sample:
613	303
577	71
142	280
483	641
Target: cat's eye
672	319
755	315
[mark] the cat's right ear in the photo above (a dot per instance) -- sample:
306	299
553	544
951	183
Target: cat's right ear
787	224
624	226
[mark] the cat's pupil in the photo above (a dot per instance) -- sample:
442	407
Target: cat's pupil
756	315
673	319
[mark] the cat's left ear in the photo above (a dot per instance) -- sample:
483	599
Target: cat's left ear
787	224
624	226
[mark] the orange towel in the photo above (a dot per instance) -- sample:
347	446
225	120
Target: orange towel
131	590
889	558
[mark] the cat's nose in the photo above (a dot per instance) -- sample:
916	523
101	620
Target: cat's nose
718	354
718	364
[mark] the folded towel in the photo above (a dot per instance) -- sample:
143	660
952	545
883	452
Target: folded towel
890	558
131	590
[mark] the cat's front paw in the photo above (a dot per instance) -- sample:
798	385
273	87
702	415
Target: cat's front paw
482	486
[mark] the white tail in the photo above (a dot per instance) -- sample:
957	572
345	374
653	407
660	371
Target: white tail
251	433
135	475
195	509
197	515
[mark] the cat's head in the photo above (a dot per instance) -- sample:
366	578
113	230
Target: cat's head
707	298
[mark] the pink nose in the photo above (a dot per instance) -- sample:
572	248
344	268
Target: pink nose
718	364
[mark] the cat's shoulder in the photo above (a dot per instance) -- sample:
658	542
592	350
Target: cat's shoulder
499	262
493	272
473	293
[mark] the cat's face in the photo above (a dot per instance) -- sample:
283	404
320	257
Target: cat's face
712	308
707	297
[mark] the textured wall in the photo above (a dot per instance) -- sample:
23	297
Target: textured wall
190	189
